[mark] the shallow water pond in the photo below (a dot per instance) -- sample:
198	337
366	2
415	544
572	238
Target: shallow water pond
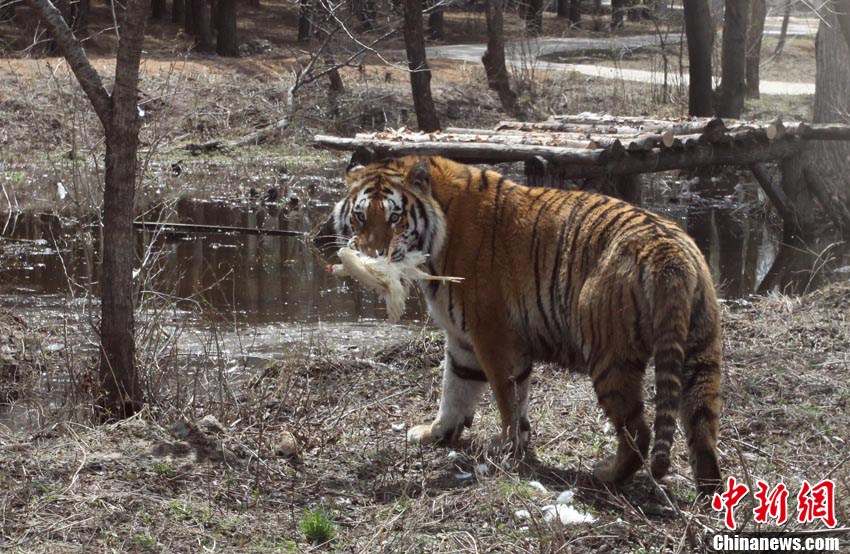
249	300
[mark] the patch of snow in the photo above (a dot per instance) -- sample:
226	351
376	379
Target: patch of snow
452	455
397	426
522	514
463	476
481	469
61	190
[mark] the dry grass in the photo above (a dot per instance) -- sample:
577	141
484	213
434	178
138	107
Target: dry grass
21	357
158	482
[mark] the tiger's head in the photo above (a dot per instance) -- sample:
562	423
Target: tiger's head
389	207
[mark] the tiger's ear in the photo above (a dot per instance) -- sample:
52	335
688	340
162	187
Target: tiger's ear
361	157
419	176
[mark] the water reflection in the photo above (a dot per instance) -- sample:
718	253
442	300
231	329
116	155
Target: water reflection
268	279
739	247
248	279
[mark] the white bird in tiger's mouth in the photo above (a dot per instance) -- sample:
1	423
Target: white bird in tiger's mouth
390	279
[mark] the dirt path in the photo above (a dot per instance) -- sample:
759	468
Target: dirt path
526	54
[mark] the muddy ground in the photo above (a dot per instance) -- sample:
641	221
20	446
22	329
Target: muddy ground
326	432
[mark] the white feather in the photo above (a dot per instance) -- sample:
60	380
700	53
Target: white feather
387	278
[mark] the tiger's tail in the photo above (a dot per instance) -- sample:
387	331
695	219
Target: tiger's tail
686	328
673	297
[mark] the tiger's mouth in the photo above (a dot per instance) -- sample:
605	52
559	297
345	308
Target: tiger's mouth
395	252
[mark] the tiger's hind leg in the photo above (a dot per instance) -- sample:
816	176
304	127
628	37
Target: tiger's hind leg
699	411
463	384
618	388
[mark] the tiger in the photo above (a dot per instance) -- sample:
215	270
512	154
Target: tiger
574	278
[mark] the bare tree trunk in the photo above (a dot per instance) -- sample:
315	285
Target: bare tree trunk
633	11
227	42
574	12
121	393
158	9
563	8
420	74
700	37
754	39
733	85
783	33
119	379
189	19
534	18
305	22
201	25
494	57
832	103
366	12
617	13
842	12
436	30
178	11
334	78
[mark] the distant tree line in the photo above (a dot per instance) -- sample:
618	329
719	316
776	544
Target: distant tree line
211	22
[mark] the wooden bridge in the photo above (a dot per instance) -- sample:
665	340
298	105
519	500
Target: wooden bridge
606	152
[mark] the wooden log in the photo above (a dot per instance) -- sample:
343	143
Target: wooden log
753	133
689	142
542	139
667	131
255	137
775	194
557	126
633	121
616	144
643	143
212	229
535	169
469	152
603	125
829	200
582	163
702	154
819	131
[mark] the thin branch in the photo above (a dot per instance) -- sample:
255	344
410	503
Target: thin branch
73	52
369	47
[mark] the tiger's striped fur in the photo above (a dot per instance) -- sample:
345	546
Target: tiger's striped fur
580	279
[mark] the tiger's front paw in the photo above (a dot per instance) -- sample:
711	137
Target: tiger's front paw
436	432
421	435
514	441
